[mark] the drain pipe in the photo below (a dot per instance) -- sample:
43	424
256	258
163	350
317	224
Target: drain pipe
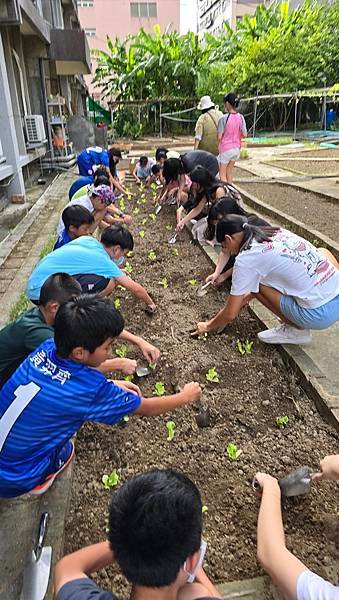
45	106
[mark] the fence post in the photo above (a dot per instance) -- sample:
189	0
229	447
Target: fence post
295	115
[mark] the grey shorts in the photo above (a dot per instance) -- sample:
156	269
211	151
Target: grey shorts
225	157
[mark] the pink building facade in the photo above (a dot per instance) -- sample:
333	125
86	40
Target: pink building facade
118	18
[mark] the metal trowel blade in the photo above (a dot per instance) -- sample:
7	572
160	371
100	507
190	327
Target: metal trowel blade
297	482
173	239
158	209
142	371
203	289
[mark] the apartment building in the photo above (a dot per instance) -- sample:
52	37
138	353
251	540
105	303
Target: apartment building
118	18
43	56
213	13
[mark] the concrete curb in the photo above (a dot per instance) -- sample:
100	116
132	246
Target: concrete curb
294	224
322	390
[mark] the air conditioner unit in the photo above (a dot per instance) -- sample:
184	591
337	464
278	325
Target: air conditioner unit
35	129
1	151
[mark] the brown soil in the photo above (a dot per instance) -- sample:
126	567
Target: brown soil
323	153
252	392
310	208
240	173
330	167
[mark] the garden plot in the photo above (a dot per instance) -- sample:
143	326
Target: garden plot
246	389
314	210
314	153
308	167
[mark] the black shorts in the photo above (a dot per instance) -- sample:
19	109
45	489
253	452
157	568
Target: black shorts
92	284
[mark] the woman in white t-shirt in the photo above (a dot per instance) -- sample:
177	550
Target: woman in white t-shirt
296	281
288	572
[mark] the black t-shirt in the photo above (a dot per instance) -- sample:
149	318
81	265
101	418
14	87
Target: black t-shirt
200	157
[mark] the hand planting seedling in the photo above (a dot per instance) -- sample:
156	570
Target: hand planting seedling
168	227
142	233
159	388
170	425
232	452
122	351
117	303
152	216
212	375
244	348
192	282
152	255
204	509
175	252
111	480
164	282
128	267
282	422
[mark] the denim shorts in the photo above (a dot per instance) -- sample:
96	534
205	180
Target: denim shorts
225	157
310	318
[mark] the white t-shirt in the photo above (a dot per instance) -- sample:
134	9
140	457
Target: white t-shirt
289	264
82	201
312	587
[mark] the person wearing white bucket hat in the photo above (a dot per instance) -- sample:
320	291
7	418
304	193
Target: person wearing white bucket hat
206	136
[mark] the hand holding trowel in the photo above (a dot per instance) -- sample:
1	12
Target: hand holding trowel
296	483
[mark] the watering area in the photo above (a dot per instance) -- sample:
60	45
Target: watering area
300	382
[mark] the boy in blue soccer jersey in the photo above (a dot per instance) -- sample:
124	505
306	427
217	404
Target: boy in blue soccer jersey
57	389
77	221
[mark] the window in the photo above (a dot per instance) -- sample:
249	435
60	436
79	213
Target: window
85	3
90	32
144	10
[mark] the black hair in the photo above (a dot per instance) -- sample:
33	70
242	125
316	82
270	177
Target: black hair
155	169
232	99
143	158
209	184
100	170
59	287
160	153
223	207
173	167
155	524
87	321
115	152
232	224
101	179
117	235
76	215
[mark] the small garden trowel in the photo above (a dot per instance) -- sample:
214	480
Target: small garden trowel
203	289
173	238
142	371
158	209
297	482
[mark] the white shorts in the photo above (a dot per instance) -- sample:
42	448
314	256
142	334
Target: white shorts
225	157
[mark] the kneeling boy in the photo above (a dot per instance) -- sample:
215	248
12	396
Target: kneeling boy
77	221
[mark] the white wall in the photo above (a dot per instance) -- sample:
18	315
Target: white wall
188	16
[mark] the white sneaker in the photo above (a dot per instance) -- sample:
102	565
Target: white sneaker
285	334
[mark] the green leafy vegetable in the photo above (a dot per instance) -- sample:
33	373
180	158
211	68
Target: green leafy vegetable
212	375
192	282
152	255
111	480
233	452
168	227
175	252
142	233
128	267
122	351
170	425
159	388
204	509
144	221
244	347
117	303
282	421
152	216
136	211
164	282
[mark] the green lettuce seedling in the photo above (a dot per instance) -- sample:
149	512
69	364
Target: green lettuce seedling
159	388
168	227
153	186
233	452
144	221
204	509
117	303
170	425
122	205
142	233
136	211
152	366
282	421
129	196
122	351
212	375
126	419
192	282
152	255
244	348
128	267
175	251
128	377
111	480
164	282
130	254
152	216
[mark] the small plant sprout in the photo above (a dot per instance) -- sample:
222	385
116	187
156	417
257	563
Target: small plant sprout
282	422
164	282
159	388
144	221
244	347
136	211
212	375
117	303
192	282
232	452
142	233
152	255
168	227
152	366
111	480
175	252
170	426
126	419
122	205
130	254
153	186
129	196
204	509
129	378
152	216
121	351
128	267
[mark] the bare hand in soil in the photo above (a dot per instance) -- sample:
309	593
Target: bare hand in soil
150	352
128	366
127	219
265	481
150	309
201	328
329	469
128	386
192	392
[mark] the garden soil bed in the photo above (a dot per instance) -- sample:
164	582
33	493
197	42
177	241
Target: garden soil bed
322	153
308	167
240	173
253	390
310	208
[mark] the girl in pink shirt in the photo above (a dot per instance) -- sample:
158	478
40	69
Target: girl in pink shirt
231	130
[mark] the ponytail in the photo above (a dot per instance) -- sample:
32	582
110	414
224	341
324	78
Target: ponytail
242	224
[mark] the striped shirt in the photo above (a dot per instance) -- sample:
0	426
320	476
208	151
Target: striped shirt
42	406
